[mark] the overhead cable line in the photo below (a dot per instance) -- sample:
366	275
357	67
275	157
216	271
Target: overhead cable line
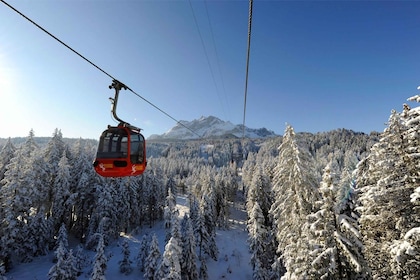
207	56
97	67
217	57
247	65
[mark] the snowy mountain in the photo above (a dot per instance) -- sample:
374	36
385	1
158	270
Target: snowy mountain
211	127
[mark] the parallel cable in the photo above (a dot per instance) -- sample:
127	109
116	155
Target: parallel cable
217	57
247	65
207	57
97	67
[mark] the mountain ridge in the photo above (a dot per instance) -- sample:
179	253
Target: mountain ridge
210	127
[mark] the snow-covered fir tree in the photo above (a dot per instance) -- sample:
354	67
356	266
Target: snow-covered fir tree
208	228
295	194
348	236
189	254
125	263
143	252
170	267
258	243
405	251
6	154
152	260
100	263
386	181
65	267
322	234
260	192
203	272
60	208
21	192
170	212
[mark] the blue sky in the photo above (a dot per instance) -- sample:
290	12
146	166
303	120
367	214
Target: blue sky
316	65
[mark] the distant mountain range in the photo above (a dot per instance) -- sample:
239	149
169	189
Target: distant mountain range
210	127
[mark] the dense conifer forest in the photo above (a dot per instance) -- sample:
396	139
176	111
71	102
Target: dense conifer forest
330	205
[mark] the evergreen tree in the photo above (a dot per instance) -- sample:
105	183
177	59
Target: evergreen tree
348	236
257	243
405	250
385	188
6	155
125	263
39	232
170	212
81	259
295	194
100	263
189	255
22	193
143	252
60	208
65	267
260	192
169	267
104	217
152	260
322	226
208	230
203	273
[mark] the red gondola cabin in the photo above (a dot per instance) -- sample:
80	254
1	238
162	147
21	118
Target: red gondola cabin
121	152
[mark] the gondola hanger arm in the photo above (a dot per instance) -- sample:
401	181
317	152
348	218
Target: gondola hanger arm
117	85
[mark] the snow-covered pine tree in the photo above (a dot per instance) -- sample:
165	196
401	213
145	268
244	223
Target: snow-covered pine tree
152	260
81	259
321	226
260	191
189	254
203	271
248	169
171	185
154	192
71	262
169	212
295	193
100	263
348	236
143	252
208	231
6	154
40	232
84	200
53	153
169	267
125	263
60	208
22	193
405	251
65	267
195	217
124	202
385	188
104	217
257	243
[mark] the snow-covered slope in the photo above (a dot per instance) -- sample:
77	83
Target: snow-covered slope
211	127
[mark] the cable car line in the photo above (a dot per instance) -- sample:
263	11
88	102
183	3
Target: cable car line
97	67
217	58
207	57
247	66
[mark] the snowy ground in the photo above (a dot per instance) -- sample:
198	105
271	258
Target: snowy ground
233	262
